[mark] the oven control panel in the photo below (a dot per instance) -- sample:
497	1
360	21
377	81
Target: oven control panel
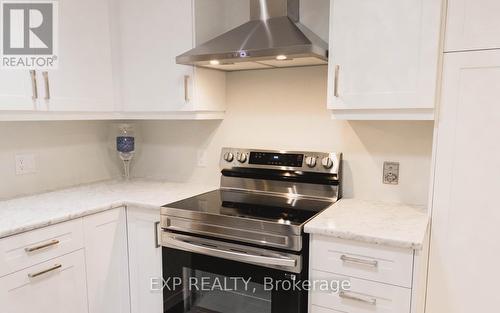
276	158
323	162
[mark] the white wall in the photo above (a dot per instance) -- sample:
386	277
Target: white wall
286	109
67	153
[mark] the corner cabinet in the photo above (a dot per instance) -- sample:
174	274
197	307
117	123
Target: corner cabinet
107	261
151	35
384	59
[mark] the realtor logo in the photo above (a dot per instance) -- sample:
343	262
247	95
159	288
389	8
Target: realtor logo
29	34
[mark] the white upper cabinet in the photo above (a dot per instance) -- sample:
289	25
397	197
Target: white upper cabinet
384	58
152	34
17	90
83	80
473	25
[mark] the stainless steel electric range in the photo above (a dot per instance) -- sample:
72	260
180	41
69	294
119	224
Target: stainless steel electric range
247	234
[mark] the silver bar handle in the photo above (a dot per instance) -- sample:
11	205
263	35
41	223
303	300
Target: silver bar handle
336	81
45	75
42	246
186	87
157	238
34	86
231	255
53	268
348	259
359	298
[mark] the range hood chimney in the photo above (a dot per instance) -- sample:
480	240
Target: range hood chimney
274	37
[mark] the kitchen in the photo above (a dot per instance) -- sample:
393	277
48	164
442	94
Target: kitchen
76	173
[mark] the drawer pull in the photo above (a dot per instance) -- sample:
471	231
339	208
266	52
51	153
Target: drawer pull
42	246
34	86
186	88
359	298
336	81
348	259
53	268
157	238
47	86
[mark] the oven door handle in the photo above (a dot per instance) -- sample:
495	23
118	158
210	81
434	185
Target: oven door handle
230	255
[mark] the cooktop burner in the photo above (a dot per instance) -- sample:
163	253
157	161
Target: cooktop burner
257	206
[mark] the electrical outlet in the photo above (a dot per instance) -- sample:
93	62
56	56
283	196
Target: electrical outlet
391	173
25	163
202	158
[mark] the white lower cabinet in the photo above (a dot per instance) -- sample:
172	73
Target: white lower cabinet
101	263
381	279
54	286
145	259
107	261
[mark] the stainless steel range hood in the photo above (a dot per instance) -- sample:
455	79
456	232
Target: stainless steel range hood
273	37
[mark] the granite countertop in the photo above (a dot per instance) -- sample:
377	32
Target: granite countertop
31	212
390	224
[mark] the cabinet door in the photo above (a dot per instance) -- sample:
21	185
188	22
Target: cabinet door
107	262
145	259
472	24
464	258
83	80
55	286
152	34
384	56
16	90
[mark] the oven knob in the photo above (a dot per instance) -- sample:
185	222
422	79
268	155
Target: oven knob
311	161
242	157
228	157
327	162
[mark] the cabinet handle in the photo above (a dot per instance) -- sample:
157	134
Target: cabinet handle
186	88
348	259
53	268
336	81
157	239
34	87
47	86
42	246
359	298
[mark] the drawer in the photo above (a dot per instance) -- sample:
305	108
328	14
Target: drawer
366	261
36	246
54	286
363	296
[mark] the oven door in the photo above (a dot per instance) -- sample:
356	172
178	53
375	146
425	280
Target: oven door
207	276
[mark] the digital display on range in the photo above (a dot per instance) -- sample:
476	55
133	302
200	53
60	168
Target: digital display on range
279	159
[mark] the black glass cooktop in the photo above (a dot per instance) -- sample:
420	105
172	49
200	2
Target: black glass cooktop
279	209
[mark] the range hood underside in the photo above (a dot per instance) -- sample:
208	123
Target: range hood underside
257	44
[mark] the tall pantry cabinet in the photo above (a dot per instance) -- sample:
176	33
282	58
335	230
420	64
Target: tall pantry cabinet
464	256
